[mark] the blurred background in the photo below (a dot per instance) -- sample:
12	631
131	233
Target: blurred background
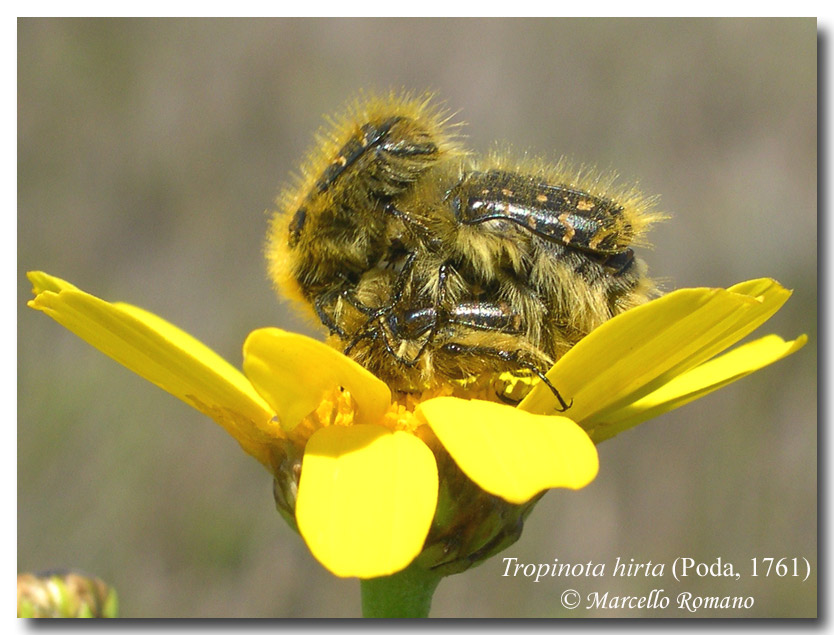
149	152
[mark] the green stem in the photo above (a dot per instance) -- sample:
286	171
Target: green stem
407	593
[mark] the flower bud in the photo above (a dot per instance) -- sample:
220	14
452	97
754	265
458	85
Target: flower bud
64	594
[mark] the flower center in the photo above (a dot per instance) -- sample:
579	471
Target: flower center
338	407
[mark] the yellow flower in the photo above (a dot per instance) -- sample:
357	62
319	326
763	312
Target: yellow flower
374	482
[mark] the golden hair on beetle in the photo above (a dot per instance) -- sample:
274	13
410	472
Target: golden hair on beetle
431	266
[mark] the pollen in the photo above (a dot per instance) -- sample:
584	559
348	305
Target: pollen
401	416
336	408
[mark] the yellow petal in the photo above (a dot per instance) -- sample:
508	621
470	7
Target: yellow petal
696	383
366	499
638	351
44	282
757	287
165	356
769	296
511	453
292	372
